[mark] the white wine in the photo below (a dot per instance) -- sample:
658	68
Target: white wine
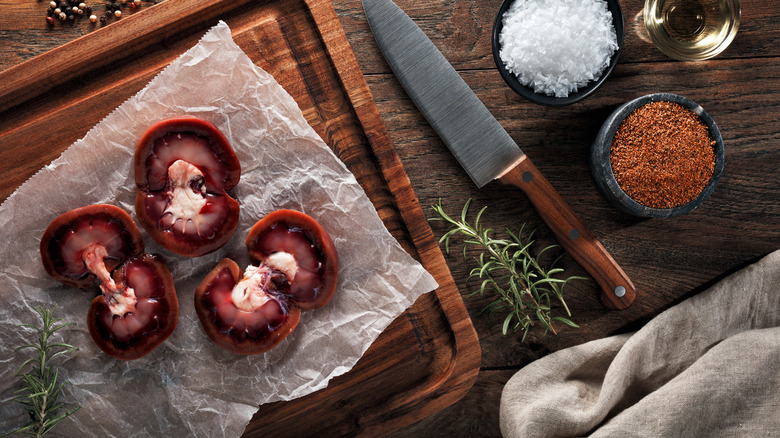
692	30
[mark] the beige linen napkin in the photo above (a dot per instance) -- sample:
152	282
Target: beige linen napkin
707	367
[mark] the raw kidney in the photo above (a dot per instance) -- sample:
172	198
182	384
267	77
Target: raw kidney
137	309
184	167
296	269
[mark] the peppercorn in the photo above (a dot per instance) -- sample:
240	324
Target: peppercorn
102	19
57	11
93	18
53	5
118	13
63	16
50	20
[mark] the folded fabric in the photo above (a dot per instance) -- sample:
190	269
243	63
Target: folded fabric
707	367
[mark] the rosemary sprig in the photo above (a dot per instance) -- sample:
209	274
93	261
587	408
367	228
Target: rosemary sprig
41	390
524	288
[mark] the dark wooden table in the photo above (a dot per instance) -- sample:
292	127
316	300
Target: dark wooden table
667	259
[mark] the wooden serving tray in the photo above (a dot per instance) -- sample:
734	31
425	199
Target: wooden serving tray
428	357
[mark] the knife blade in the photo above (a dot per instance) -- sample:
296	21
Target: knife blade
480	143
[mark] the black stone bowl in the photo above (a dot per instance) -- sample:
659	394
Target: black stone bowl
601	167
543	99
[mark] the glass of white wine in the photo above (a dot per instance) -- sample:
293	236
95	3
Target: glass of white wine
692	30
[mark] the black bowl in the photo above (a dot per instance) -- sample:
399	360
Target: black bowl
582	92
601	167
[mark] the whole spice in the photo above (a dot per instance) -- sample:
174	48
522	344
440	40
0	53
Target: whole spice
662	155
524	288
73	10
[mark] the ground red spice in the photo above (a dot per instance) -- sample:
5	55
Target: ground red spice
662	155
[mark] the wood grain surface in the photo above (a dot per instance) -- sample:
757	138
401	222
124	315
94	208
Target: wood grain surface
428	357
668	260
617	291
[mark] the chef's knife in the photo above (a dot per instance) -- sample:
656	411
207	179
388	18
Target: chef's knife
481	145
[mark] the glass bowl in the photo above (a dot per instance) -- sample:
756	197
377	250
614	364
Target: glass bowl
692	30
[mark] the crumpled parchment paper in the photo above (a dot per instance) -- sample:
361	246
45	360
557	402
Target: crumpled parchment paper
188	386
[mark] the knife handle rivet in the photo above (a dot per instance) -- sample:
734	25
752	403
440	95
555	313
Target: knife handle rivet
527	176
574	234
620	291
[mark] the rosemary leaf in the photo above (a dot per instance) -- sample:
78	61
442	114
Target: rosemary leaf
566	321
505	328
506	268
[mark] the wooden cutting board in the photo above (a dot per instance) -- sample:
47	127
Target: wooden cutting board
428	357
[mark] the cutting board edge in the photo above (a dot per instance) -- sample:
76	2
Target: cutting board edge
448	386
455	382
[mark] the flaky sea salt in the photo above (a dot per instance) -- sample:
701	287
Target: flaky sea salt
557	46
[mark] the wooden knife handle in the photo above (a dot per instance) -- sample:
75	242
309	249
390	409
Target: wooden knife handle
617	290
